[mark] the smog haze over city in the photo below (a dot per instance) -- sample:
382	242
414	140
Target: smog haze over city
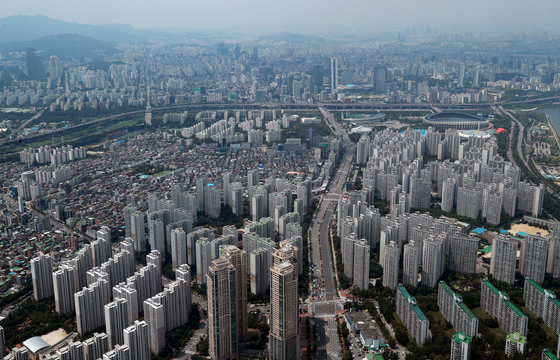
325	17
282	180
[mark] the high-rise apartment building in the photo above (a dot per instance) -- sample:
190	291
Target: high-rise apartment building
412	317
259	270
222	317
361	264
504	258
392	255
41	272
201	183
461	346
543	303
55	70
516	342
410	263
178	248
433	259
238	258
498	305
236	198
462	253
212	201
456	312
116	320
136	337
64	287
138	232
533	256
154	316
284	313
89	304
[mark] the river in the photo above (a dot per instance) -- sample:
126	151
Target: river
554	115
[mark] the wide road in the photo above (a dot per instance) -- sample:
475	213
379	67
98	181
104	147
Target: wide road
24	124
326	303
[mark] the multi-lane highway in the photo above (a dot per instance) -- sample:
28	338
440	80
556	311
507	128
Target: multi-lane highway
326	302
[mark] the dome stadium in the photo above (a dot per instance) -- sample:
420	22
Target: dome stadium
456	120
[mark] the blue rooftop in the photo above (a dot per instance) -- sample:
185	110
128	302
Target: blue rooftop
478	230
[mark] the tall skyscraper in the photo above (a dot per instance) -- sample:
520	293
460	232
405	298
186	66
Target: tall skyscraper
201	183
222	318
64	286
380	78
334	75
2	343
228	179
476	77
238	258
284	313
532	260
461	346
504	257
35	69
461	76
55	71
41	272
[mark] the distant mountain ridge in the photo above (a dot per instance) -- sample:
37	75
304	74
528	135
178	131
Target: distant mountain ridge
63	45
25	28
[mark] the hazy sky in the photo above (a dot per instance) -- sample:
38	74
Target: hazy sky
297	15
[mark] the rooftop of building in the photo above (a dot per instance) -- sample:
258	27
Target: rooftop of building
514	308
517	337
462	337
364	322
492	287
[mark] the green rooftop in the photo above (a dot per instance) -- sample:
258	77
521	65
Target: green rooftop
467	311
549	354
462	337
532	282
514	308
403	291
419	312
517	338
446	288
492	287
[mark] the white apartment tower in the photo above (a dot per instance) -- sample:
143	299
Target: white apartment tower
284	316
41	271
